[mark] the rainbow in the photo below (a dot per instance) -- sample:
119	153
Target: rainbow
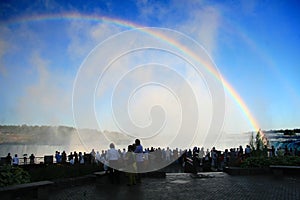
129	25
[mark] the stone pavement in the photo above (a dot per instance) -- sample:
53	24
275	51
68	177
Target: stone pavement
217	185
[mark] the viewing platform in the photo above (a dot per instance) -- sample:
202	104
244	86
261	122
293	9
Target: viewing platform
212	185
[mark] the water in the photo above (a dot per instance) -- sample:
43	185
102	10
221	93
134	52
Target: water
281	140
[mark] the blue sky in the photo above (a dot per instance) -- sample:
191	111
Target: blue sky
255	45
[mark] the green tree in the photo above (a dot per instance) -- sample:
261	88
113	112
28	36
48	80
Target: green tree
259	141
259	145
252	142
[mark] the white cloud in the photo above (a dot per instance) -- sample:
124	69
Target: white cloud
84	36
203	26
196	19
152	10
48	101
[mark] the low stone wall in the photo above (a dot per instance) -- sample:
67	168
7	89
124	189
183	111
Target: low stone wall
34	190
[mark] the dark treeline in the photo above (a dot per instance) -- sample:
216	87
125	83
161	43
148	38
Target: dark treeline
35	134
25	129
53	135
285	131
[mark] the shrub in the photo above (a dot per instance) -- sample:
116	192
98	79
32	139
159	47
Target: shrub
262	162
10	175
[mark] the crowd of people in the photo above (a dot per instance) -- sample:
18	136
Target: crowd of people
15	161
154	155
216	160
136	159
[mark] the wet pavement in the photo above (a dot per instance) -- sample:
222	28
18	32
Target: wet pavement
216	185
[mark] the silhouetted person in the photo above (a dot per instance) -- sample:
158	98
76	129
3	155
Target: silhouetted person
86	158
57	157
113	157
8	159
16	160
31	159
248	151
130	165
81	159
63	157
76	161
139	158
70	157
25	159
93	156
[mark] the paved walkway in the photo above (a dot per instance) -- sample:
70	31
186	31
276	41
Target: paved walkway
216	185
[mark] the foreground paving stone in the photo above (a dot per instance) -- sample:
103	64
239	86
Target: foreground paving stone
216	185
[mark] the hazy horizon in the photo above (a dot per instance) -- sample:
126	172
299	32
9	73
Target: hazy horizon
45	140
